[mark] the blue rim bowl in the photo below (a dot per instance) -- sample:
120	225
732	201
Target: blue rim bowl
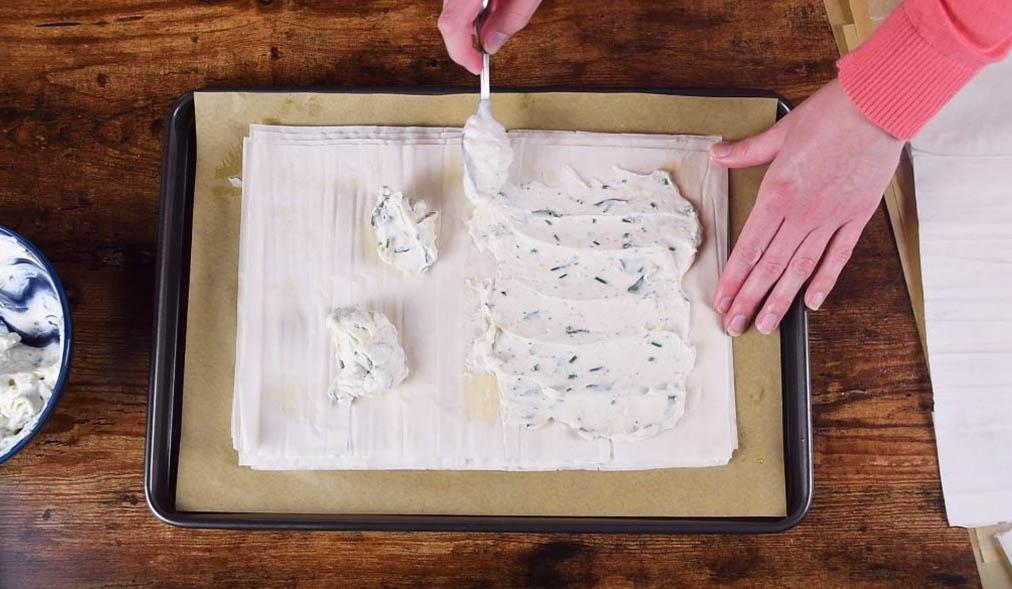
66	335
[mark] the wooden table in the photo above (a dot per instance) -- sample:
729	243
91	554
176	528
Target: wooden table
84	88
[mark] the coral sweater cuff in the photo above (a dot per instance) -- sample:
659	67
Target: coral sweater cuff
899	80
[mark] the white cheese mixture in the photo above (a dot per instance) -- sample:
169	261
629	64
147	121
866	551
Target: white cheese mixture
587	324
487	154
28	373
406	232
27	378
369	357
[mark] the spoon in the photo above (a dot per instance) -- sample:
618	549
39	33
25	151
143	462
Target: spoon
486	92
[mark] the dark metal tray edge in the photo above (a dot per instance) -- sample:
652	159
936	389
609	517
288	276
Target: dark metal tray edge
164	399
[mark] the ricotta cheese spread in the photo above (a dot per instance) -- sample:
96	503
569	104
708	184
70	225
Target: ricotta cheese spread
586	320
406	232
30	341
369	357
487	154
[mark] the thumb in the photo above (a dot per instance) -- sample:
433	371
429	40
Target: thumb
507	18
753	151
455	25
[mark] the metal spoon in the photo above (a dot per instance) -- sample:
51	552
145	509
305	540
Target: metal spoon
486	92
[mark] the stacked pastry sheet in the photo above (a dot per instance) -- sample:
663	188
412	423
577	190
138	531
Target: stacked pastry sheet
306	248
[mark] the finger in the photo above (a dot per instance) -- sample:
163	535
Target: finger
753	151
506	20
455	24
841	247
762	224
764	274
800	269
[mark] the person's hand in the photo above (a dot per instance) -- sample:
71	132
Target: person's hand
830	166
505	19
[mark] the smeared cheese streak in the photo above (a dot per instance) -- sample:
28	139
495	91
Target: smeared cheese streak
587	323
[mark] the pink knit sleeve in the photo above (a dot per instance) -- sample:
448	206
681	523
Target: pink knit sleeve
921	56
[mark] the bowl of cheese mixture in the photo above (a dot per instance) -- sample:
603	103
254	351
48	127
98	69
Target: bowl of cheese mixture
35	341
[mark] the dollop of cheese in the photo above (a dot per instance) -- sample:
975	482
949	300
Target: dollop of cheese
487	154
406	232
370	359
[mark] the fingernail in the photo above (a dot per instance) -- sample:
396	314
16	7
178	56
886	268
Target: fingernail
767	323
723	305
817	300
720	149
737	325
495	41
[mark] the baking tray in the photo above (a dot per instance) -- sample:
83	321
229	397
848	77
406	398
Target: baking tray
166	384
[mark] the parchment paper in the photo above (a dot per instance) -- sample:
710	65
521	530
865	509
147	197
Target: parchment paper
209	478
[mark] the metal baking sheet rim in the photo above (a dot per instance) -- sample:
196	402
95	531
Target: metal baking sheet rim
165	394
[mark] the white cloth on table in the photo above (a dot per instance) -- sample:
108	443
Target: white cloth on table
963	178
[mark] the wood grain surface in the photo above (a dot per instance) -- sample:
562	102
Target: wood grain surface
84	88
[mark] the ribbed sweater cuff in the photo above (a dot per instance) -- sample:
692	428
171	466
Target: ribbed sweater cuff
898	80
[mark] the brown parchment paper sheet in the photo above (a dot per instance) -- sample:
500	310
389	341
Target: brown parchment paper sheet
209	478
